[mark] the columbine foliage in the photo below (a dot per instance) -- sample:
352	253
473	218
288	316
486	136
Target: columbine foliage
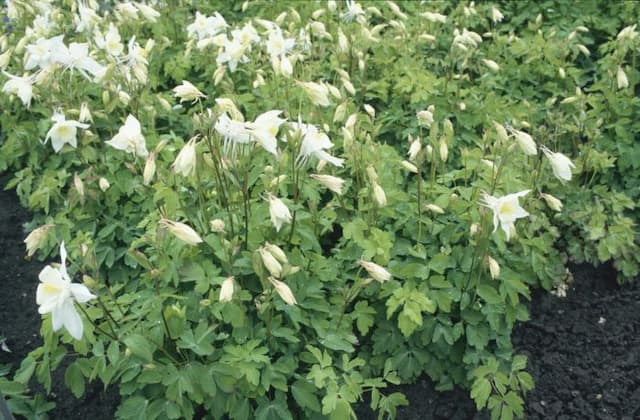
282	209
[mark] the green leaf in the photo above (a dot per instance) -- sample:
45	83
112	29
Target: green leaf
27	367
134	408
199	341
74	380
140	346
480	392
342	411
305	395
489	294
440	262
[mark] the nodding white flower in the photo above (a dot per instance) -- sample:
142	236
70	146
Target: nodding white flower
265	129
434	17
278	211
35	239
425	117
370	110
56	294
77	182
129	138
226	290
560	164
188	92
77	57
233	132
270	262
22	87
217	226
185	163
206	26
622	80
525	141
63	131
283	291
149	169
354	12
434	208
226	105
414	149
87	18
40	54
506	210
233	53
376	271
494	267
247	35
444	150
379	196
147	12
552	202
491	64
104	184
85	113
182	231
277	252
314	143
343	41
409	166
501	131
317	92
333	183
126	10
496	15
628	32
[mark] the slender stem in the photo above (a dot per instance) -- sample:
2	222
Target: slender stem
96	326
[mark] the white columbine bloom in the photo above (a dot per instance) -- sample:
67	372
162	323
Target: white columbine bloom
525	141
314	143
182	231
560	164
188	92
56	295
377	272
226	291
318	93
621	78
22	87
63	131
506	210
278	211
185	163
234	132
129	138
284	291
265	129
331	182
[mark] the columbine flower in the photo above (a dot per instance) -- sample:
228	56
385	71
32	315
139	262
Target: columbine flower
314	142
234	132
425	117
494	267
277	252
56	295
111	42
185	162
226	291
284	291
552	202
621	77
265	129
279	212
525	141
354	12
496	15
188	92
491	64
129	138
22	87
333	183
63	131
270	262
414	149
233	53
181	231
434	208
149	169
206	27
560	164
277	45
217	226
104	184
506	210
379	196
377	272
317	92
34	240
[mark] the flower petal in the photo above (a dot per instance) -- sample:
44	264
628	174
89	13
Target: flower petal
81	293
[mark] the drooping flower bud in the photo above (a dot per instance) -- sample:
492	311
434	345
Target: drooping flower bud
149	169
376	271
494	267
103	184
379	195
270	262
36	238
226	290
217	226
182	231
283	291
552	202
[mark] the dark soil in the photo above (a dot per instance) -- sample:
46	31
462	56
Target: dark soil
584	350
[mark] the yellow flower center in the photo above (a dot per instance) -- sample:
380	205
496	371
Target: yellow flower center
507	209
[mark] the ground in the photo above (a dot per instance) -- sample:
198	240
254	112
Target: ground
584	350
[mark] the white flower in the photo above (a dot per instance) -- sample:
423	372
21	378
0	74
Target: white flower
233	53
494	267
277	252
104	184
86	19
234	132
277	45
525	141
284	291
622	80
148	12
434	208
149	169
496	15
491	64
187	92
111	42
63	131
414	149
379	196
628	32
226	290
265	129
279	212
206	27
425	117
377	272
22	87
217	226
552	202
40	53
409	166
185	163
56	295
182	231
560	164
434	17
34	240
506	210
270	262
333	183
354	11
317	92
129	138
314	143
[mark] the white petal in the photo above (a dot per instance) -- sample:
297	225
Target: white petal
81	293
70	318
50	275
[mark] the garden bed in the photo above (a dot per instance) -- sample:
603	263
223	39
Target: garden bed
584	350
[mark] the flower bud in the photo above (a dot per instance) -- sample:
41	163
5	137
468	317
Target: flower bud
494	267
425	117
185	163
270	262
372	174
85	114
552	202
36	238
188	92
182	231
79	185
283	291
124	97
277	252
149	169
444	150
318	93
217	226
226	290
279	212
331	182
414	149
491	64
103	184
409	166
434	208
219	74
622	80
376	271
379	195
